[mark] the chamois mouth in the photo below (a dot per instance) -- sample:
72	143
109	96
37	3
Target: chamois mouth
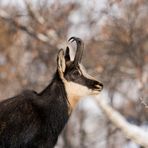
97	90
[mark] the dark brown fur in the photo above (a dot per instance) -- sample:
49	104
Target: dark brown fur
32	120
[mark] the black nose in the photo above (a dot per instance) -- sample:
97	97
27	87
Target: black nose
94	85
98	85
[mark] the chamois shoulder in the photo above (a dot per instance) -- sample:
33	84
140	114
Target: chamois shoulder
29	94
18	99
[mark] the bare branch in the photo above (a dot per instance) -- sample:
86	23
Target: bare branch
132	132
39	36
143	103
34	14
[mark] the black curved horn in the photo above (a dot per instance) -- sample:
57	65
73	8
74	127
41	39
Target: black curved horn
79	51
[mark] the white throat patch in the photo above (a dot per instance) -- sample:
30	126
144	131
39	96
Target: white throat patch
75	92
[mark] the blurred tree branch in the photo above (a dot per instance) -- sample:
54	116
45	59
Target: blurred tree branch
39	36
33	13
44	25
132	132
143	102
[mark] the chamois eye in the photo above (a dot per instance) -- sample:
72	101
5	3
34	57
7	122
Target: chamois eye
76	73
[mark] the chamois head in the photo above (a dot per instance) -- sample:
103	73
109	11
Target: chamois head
76	80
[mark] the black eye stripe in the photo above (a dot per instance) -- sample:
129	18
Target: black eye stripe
75	74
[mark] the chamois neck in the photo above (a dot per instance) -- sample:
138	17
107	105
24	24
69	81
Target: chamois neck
55	90
53	107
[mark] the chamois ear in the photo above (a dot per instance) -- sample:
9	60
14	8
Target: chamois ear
67	54
61	63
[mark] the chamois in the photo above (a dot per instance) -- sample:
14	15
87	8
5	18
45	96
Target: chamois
34	120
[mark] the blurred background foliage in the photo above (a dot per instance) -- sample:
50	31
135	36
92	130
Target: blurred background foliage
115	33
